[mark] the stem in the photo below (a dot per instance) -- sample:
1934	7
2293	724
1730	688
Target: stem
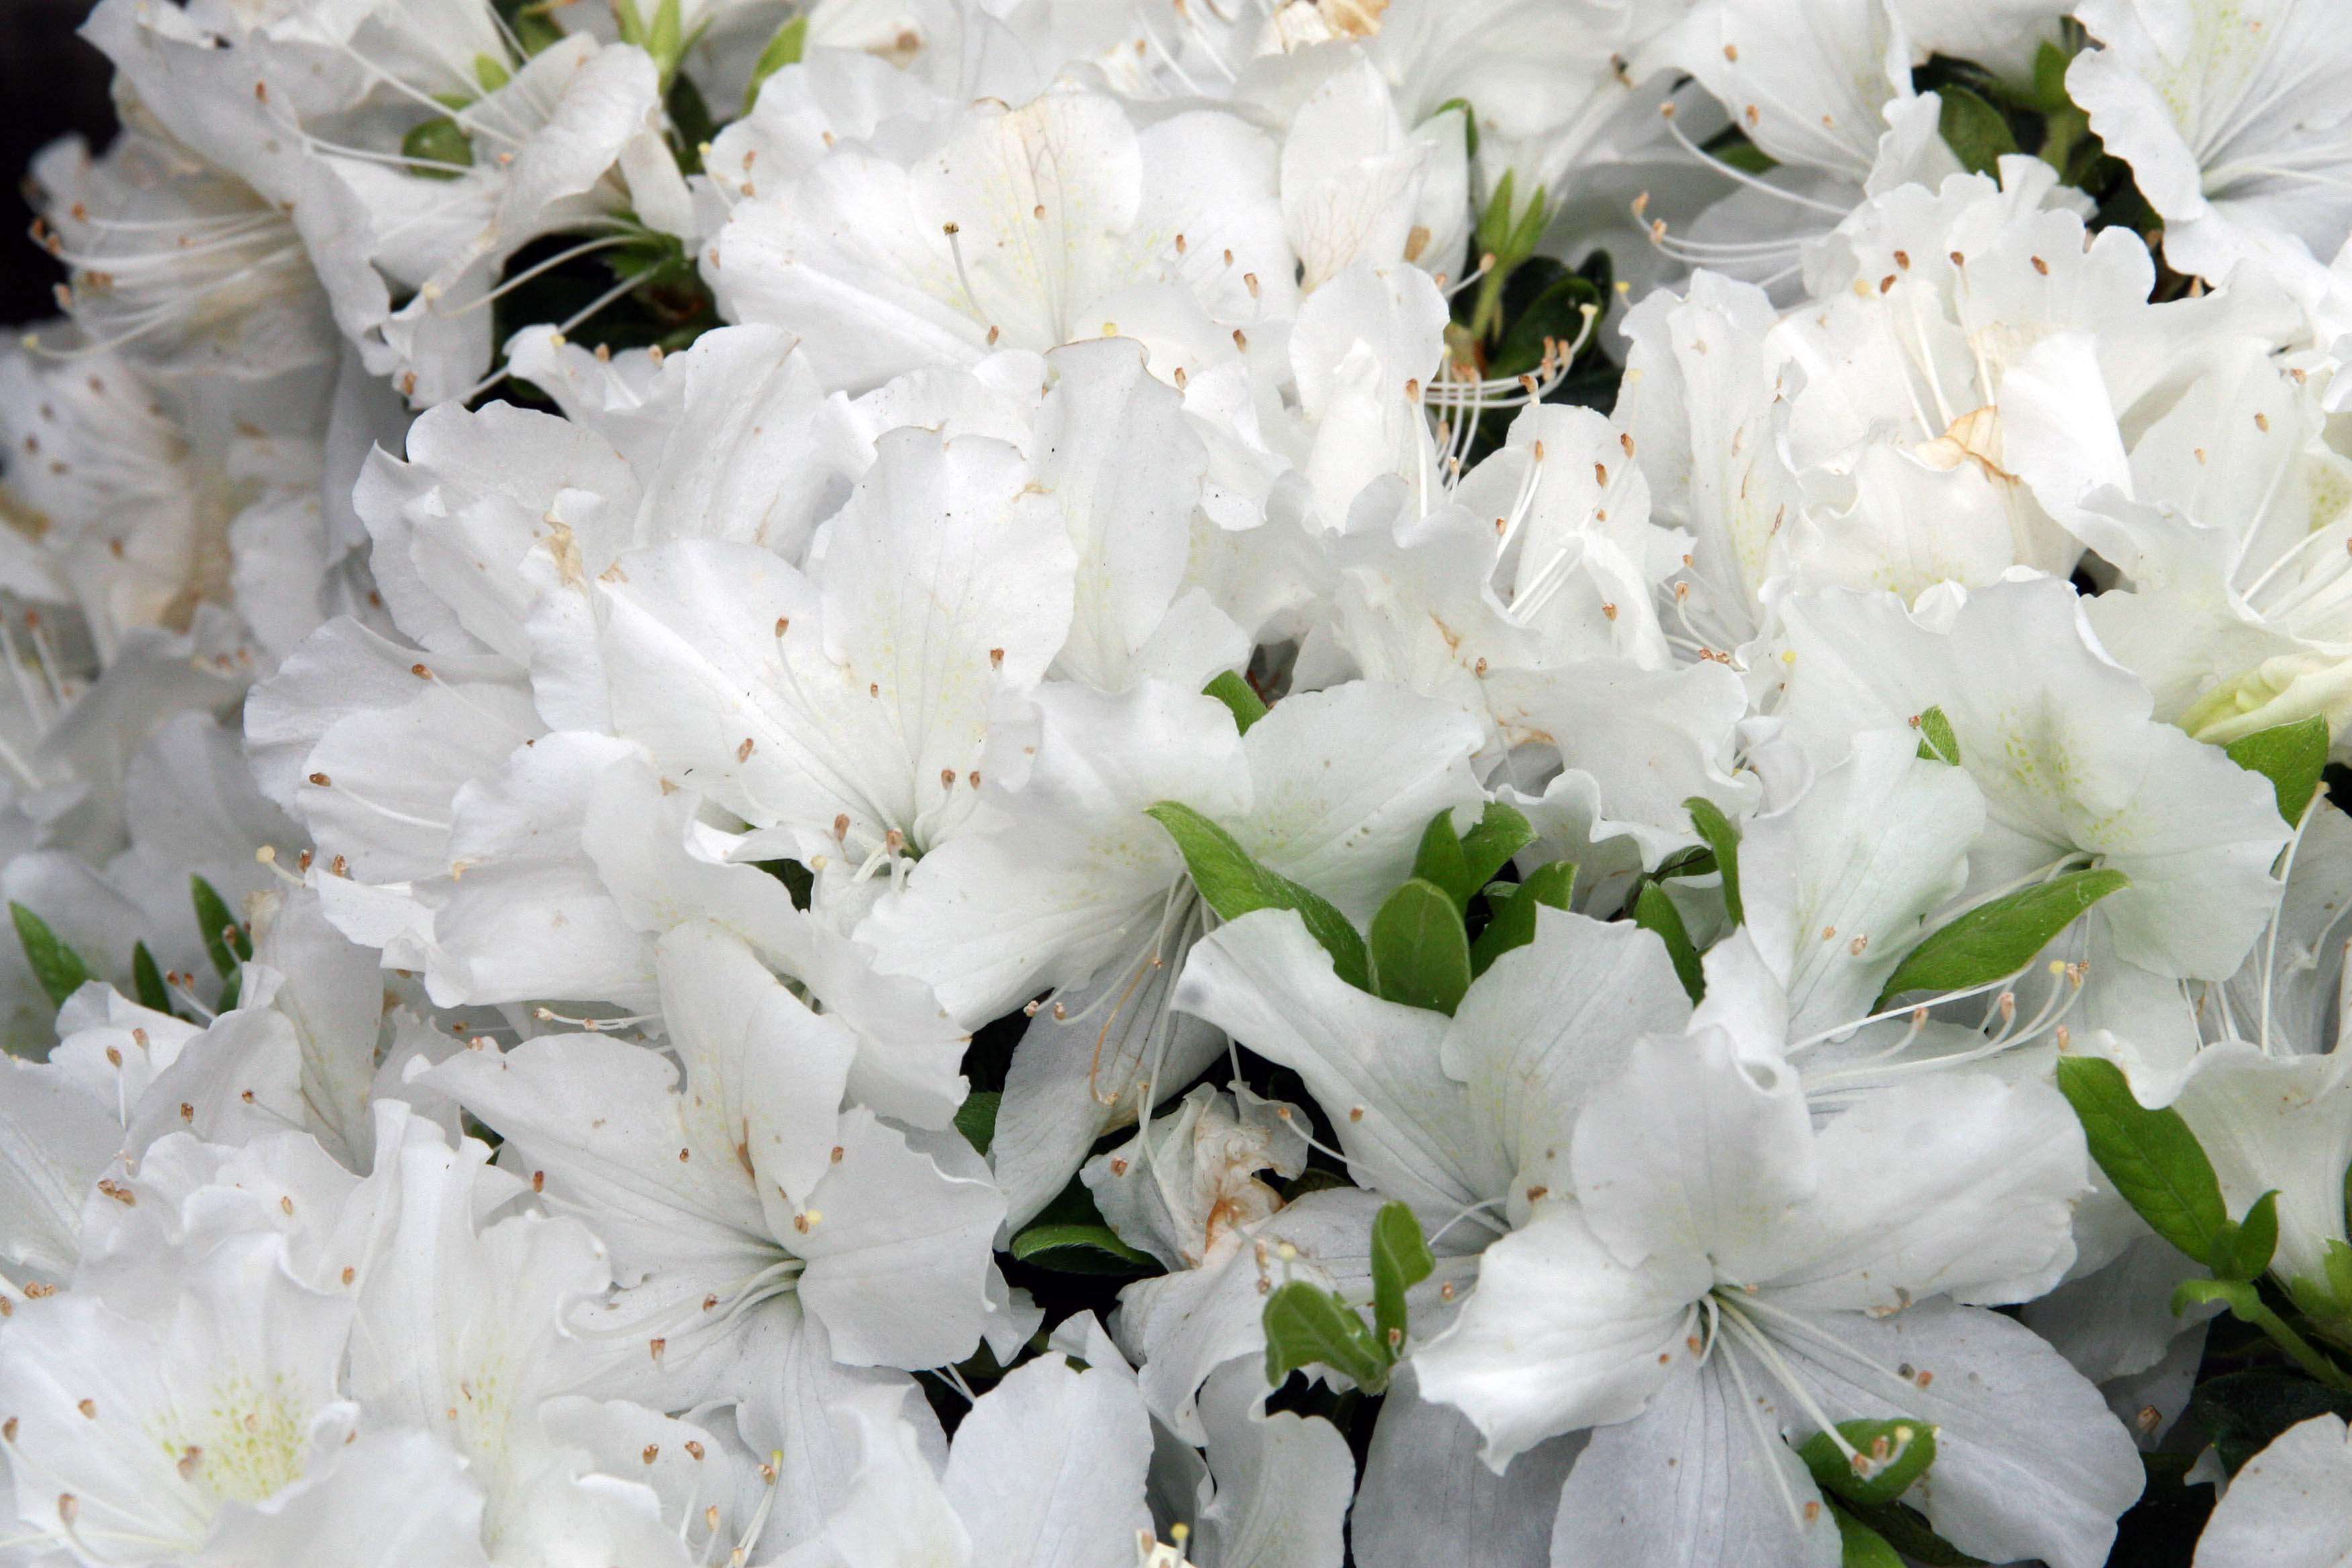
2249	1308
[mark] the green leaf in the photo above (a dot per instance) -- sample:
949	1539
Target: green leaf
1977	133
2050	63
1502	832
1513	922
56	965
2000	938
1859	1546
1439	860
1908	1532
976	1118
1306	1326
224	939
1722	837
491	73
1421	955
1656	911
537	31
1235	693
1233	885
689	116
1400	1260
1555	312
1937	742
1888	1456
147	980
1081	1249
784	50
2241	1412
631	21
2291	756
2151	1156
231	990
2247	1250
438	149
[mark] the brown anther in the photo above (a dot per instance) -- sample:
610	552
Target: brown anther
539	1180
89	1408
652	1452
322	780
996	659
2040	265
421	670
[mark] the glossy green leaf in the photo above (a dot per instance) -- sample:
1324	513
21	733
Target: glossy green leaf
1400	1260
54	963
976	1118
1859	1546
2000	938
1081	1249
1233	885
1977	133
147	980
1235	692
1722	836
224	939
2243	1412
1306	1326
2151	1156
2050	63
1888	1458
2247	1250
1421	955
1502	832
2291	756
1656	911
1937	742
1439	860
1557	312
1907	1531
1512	922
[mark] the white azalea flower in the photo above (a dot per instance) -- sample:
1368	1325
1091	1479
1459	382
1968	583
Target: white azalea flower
2223	114
1663	1297
1029	226
2284	1505
2061	740
1062	883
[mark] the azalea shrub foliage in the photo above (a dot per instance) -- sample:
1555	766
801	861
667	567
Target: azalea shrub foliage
1207	784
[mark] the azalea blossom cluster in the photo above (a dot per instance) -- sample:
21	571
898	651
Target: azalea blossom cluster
1217	784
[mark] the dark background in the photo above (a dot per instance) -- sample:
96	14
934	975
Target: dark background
50	83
